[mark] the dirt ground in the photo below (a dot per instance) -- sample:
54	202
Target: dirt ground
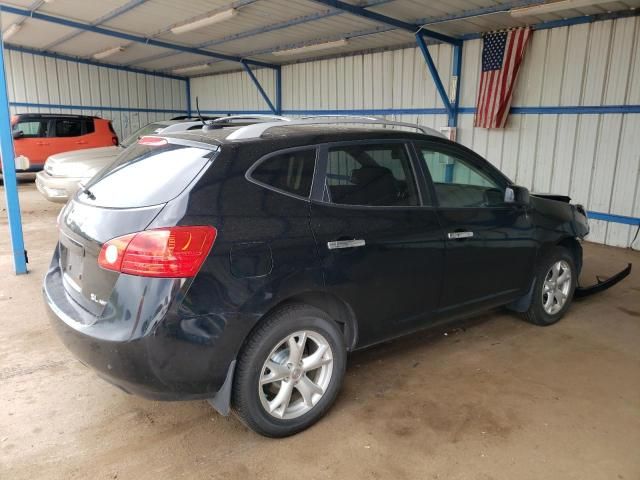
495	399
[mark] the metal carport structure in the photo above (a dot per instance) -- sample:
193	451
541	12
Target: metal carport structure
75	33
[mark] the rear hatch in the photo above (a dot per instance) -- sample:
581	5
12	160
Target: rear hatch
124	198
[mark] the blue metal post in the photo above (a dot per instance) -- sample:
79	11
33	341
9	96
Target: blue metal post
188	85
457	76
9	176
279	90
434	74
259	87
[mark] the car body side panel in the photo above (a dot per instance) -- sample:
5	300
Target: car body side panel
257	228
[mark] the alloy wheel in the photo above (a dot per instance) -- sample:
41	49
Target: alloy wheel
296	374
556	287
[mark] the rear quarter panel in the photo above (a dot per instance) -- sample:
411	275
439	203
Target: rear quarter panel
264	252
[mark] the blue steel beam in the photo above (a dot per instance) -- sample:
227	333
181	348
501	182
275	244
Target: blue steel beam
292	22
188	91
259	87
377	17
466	14
129	36
9	176
457	77
434	74
69	58
130	5
279	91
34	6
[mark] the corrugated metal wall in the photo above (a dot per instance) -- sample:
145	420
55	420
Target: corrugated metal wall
595	158
129	99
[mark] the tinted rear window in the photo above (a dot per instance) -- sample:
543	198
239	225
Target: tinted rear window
147	175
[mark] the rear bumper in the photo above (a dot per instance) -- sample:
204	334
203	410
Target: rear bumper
56	189
168	362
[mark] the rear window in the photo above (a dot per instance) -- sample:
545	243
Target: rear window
146	175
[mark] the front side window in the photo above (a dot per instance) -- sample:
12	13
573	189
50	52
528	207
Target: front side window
460	184
68	127
290	172
32	128
370	175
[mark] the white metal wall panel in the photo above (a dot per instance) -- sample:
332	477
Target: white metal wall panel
595	158
39	80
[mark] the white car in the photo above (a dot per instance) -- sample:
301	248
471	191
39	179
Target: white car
64	171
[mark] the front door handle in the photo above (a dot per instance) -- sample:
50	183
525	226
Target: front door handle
459	235
345	244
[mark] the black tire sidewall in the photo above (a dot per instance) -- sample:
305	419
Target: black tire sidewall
278	326
557	254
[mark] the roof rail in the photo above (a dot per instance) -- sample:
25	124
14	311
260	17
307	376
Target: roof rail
256	130
257	116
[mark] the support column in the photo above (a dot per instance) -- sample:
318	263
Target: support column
9	175
259	87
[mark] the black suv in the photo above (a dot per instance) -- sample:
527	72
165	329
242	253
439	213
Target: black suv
242	265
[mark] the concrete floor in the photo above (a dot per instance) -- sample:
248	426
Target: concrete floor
497	399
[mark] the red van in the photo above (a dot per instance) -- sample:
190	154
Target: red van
36	136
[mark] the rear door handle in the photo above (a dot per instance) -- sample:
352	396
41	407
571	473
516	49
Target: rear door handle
459	235
345	244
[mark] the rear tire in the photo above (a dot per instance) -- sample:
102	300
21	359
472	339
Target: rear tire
556	279
289	371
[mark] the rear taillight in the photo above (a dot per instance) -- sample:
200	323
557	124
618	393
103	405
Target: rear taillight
115	141
176	252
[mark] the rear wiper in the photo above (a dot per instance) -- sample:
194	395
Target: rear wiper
86	191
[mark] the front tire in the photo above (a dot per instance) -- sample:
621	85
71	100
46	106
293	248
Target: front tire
556	280
290	371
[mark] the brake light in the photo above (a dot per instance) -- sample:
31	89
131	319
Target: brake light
176	252
115	141
152	141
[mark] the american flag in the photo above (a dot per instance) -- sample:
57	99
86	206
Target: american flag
502	54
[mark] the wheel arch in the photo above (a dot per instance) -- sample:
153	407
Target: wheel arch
332	305
574	246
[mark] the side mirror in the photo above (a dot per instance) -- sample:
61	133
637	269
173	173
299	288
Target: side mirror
516	195
17	133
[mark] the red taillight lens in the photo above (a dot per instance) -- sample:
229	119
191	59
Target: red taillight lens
115	141
165	252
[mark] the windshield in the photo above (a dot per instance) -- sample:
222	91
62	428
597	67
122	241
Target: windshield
149	129
146	175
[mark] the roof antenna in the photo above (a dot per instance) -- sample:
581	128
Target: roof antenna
205	126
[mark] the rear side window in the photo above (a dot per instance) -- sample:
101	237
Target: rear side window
146	175
370	175
33	128
290	172
68	127
89	127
